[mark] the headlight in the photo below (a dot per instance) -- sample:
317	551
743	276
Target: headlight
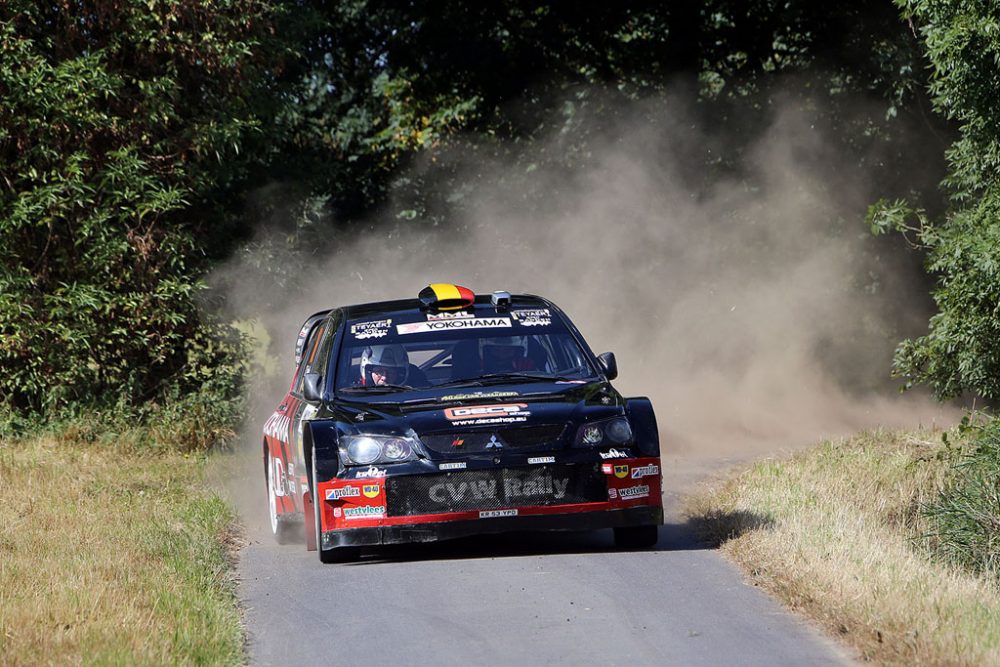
615	431
363	450
368	448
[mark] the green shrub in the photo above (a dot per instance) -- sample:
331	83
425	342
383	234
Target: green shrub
966	517
122	127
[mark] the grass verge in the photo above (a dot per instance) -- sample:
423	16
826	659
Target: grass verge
113	554
838	533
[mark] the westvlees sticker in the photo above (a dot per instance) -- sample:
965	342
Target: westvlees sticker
630	492
492	514
459	323
373	329
364	512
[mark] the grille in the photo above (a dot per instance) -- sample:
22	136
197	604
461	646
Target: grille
484	441
495	489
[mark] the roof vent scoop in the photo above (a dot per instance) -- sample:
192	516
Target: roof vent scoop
501	300
445	296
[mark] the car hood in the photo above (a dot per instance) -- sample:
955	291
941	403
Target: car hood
463	421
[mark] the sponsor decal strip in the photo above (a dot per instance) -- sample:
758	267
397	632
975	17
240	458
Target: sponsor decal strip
477	411
364	512
645	471
477	396
373	329
532	317
540	486
342	492
630	492
458	323
614	454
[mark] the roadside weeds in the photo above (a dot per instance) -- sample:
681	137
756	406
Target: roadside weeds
837	534
111	554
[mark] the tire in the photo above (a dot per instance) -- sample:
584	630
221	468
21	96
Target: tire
281	528
636	537
339	554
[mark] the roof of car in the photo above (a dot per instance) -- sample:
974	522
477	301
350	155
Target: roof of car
414	305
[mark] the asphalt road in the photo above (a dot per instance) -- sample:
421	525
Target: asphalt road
527	599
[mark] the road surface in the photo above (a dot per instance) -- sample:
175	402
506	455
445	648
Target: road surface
526	599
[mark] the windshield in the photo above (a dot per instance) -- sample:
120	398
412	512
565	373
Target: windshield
459	350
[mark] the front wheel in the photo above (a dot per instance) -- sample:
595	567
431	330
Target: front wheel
636	537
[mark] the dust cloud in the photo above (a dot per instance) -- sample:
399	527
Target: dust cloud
754	308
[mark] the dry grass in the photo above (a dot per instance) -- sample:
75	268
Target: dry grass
112	556
835	533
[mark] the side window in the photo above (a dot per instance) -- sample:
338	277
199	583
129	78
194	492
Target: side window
320	362
309	355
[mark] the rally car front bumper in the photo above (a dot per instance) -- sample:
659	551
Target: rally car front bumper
447	530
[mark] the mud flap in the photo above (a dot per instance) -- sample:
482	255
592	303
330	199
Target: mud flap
310	521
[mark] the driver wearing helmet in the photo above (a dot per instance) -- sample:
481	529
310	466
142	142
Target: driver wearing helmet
505	353
388	365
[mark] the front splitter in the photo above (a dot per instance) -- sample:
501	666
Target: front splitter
449	530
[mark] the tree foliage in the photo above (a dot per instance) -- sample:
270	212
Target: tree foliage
121	124
961	351
133	134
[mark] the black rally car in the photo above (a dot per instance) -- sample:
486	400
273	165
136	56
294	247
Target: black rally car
455	414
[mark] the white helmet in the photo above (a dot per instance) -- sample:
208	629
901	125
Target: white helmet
386	356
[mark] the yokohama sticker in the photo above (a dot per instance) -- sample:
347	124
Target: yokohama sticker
452	466
645	471
373	329
364	512
542	459
464	323
492	514
630	492
342	492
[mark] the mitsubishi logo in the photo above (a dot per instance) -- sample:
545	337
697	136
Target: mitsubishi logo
494	443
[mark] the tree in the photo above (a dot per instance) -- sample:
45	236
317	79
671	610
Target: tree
120	126
961	351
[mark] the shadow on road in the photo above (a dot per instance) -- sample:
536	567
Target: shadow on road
673	537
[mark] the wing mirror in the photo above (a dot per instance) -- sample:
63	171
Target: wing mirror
312	388
608	364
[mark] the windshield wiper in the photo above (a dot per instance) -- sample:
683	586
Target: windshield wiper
377	388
